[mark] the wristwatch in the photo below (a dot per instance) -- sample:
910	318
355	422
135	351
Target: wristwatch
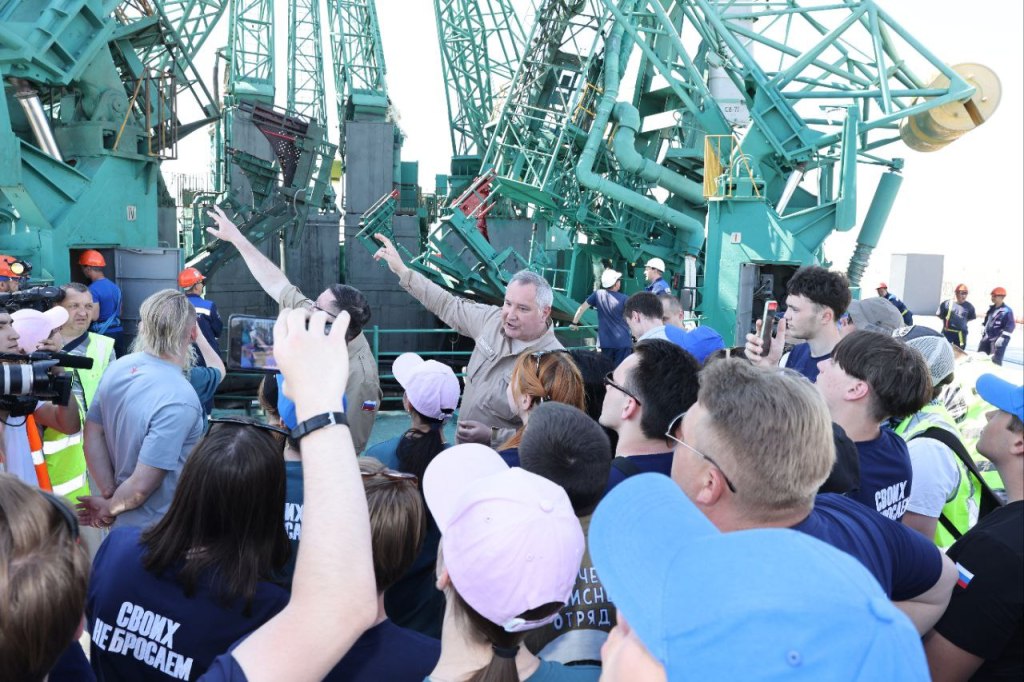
318	422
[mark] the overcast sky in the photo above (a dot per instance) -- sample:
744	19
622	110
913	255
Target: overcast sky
964	201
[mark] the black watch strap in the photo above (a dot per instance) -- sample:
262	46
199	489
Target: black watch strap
318	422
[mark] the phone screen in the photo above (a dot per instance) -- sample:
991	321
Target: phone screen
251	343
767	322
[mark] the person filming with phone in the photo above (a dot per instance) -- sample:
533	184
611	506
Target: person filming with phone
363	381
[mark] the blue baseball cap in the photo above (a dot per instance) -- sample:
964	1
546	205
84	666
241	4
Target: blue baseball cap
286	407
766	604
700	342
1002	394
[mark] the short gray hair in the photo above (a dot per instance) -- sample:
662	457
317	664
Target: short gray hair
166	320
545	296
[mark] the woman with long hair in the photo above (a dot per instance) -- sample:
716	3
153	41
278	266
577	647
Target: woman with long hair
538	377
169	599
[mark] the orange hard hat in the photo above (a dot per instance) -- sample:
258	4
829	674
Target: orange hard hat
92	258
882	285
188	277
999	291
9	269
960	287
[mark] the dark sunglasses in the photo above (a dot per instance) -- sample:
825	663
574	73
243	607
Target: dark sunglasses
608	381
391	475
537	355
242	421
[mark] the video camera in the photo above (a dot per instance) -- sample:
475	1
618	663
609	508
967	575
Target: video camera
26	379
37	298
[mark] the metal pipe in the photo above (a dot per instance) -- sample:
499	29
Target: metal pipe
624	146
585	166
33	107
792	182
874	221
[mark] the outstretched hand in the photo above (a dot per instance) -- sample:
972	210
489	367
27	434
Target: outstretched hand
389	254
94	511
226	229
314	364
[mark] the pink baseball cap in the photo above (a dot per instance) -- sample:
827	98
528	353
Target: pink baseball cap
510	539
432	387
33	326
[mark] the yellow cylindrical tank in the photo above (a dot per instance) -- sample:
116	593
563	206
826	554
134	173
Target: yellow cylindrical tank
935	128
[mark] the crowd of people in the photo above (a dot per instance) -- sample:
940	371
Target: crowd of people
807	506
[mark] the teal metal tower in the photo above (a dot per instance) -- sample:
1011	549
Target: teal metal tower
723	137
481	43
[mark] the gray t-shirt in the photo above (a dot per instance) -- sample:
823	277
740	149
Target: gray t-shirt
150	414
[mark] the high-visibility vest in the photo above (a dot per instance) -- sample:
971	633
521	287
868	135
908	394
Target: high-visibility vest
962	508
65	457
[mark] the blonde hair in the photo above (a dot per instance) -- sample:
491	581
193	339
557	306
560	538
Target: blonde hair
776	428
44	574
545	375
166	320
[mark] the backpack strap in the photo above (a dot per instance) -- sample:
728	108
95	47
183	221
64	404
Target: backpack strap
989	500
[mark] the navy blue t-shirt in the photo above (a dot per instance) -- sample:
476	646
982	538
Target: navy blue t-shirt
143	627
801	360
511	456
72	666
903	561
659	463
384	652
293	495
612	331
387	652
885	474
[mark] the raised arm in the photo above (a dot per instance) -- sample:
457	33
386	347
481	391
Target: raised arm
262	268
464	316
210	355
334	592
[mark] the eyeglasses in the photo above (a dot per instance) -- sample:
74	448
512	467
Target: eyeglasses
391	475
537	355
70	520
608	381
674	426
961	291
241	421
331	315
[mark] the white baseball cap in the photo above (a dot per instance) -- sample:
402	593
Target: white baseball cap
431	386
33	326
656	263
609	277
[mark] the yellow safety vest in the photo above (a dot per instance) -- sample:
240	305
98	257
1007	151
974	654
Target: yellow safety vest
962	508
65	457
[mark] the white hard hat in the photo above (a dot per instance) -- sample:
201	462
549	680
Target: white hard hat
656	263
609	277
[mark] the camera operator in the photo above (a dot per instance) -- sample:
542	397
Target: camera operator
17	455
12	272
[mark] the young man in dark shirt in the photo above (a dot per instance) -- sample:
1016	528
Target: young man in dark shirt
981	634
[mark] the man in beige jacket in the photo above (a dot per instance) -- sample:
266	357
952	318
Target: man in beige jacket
363	385
522	323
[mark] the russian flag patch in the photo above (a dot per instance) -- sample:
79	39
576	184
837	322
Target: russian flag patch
963	577
369	406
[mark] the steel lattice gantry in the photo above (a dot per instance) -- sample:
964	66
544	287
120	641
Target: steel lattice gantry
481	44
306	94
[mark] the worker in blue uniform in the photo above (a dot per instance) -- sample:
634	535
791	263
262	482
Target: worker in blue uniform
955	314
999	325
107	297
653	272
883	291
193	283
